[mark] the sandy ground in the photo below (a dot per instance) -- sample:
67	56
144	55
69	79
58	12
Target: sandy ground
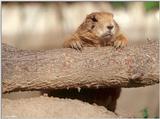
48	107
135	100
30	104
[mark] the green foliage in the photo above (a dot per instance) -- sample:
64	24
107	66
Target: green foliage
148	5
151	5
145	113
119	4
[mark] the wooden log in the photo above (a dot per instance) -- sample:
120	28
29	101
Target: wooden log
133	66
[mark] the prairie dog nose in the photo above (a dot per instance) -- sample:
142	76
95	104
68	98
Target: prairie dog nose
110	27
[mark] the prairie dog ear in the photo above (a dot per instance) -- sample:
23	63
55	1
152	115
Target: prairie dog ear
92	17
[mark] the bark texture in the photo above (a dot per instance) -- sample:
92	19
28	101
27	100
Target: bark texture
133	66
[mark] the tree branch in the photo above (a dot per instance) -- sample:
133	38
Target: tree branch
133	66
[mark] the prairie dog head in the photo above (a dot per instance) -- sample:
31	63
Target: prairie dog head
101	24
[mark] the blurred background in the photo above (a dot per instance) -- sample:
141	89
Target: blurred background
45	25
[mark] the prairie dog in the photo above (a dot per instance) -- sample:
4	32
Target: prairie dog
99	29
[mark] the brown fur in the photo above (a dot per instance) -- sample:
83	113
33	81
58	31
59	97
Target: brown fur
94	31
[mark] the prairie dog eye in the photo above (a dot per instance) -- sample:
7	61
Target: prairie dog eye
92	26
94	19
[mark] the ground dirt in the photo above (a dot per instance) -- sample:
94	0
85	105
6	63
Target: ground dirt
44	106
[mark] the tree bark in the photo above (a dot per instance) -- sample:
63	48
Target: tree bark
133	66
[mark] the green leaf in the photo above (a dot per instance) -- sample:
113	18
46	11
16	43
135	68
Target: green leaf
151	5
119	4
145	113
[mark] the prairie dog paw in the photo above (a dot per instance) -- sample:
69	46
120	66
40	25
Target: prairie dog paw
120	42
75	44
